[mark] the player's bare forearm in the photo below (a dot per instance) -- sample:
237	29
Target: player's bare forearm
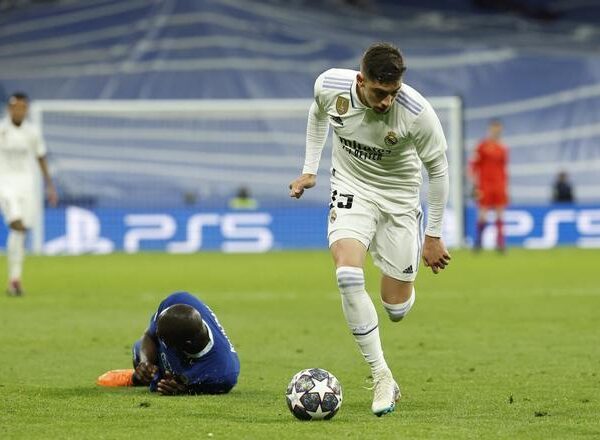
146	369
148	350
50	189
435	254
305	181
44	169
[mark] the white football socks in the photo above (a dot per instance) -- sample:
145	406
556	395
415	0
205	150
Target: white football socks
361	316
15	252
398	311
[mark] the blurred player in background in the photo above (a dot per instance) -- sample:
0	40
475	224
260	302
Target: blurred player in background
21	145
562	190
383	131
184	351
488	168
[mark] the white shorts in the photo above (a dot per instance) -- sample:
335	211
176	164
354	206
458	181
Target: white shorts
394	240
17	205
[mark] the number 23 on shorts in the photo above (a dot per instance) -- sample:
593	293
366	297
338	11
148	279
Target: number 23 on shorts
343	201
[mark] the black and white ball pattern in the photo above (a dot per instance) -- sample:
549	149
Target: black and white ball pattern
314	394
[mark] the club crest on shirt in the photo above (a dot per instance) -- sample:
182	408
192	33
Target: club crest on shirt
341	105
391	139
332	216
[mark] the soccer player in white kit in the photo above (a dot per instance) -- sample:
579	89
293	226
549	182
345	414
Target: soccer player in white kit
384	131
21	145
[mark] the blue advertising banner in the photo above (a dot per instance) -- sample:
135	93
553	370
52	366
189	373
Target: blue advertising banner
76	230
542	227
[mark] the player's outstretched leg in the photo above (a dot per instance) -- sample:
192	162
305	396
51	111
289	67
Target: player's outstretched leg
387	391
15	252
361	317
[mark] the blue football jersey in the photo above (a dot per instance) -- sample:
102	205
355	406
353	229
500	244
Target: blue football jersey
214	370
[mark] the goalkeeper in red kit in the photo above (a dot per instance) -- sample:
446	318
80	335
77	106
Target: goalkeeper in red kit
488	169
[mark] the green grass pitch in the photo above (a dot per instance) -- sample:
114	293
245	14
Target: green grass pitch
495	347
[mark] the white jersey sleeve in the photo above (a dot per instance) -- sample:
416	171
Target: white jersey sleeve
19	147
437	197
428	135
430	143
316	131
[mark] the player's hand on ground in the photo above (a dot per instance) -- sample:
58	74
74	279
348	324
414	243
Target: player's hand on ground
435	254
305	181
168	386
145	372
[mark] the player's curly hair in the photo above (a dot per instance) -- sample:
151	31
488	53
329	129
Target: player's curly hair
382	62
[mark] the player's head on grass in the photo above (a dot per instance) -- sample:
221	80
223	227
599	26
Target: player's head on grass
380	77
180	326
18	103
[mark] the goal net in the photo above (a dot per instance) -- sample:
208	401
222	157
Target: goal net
152	154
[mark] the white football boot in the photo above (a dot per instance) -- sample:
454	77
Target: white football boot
386	393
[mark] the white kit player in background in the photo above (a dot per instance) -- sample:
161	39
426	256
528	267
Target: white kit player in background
384	131
21	145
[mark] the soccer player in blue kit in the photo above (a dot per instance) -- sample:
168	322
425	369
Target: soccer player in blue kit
184	350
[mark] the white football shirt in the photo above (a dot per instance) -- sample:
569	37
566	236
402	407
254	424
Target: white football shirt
19	149
376	155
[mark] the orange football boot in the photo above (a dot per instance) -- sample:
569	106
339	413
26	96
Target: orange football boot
116	378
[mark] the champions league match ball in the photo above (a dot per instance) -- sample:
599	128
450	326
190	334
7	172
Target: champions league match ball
314	394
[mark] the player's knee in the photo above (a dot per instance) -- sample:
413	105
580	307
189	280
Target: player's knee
350	279
397	312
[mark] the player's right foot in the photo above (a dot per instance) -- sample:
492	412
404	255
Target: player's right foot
14	288
386	393
116	378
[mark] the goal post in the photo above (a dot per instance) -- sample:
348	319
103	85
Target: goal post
167	154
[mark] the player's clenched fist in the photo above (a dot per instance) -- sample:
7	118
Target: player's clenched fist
305	181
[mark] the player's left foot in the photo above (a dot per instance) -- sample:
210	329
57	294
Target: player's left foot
386	393
116	378
14	288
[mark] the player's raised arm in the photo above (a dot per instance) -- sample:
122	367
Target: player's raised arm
431	147
316	135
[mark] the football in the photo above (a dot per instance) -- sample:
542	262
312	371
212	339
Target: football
314	394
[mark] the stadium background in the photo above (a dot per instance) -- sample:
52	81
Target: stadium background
533	64
497	346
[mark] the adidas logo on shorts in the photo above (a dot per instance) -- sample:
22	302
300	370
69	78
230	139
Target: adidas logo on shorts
409	269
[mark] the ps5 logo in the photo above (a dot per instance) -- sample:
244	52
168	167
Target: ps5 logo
237	232
520	223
